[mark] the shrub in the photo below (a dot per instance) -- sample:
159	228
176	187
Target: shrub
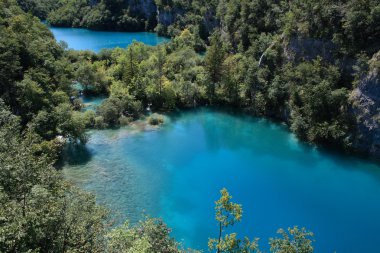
155	120
89	118
99	122
124	121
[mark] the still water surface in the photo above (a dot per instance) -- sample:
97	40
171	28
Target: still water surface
175	172
84	39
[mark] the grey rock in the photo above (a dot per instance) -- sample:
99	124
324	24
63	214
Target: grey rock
366	111
146	7
167	17
297	49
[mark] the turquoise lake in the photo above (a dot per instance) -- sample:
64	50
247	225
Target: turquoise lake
176	171
84	39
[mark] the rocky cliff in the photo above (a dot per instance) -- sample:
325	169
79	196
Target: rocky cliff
146	8
366	110
364	98
167	16
306	49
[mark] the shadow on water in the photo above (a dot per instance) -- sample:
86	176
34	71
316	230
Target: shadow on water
75	154
232	129
280	144
352	161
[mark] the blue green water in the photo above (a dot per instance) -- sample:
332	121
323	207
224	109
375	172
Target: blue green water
176	171
83	39
91	102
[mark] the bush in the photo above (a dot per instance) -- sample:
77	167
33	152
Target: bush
89	118
99	122
150	235
124	121
110	110
155	120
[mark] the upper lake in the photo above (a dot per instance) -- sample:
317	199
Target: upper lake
176	171
84	39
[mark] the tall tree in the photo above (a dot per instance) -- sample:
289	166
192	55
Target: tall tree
227	214
214	62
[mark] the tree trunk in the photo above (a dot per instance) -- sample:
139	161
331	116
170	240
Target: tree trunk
220	237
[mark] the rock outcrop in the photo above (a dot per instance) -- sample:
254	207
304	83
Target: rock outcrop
167	16
366	110
145	7
307	49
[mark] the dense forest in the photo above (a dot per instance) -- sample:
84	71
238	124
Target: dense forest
311	64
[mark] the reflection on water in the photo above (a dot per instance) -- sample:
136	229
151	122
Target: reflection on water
176	171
